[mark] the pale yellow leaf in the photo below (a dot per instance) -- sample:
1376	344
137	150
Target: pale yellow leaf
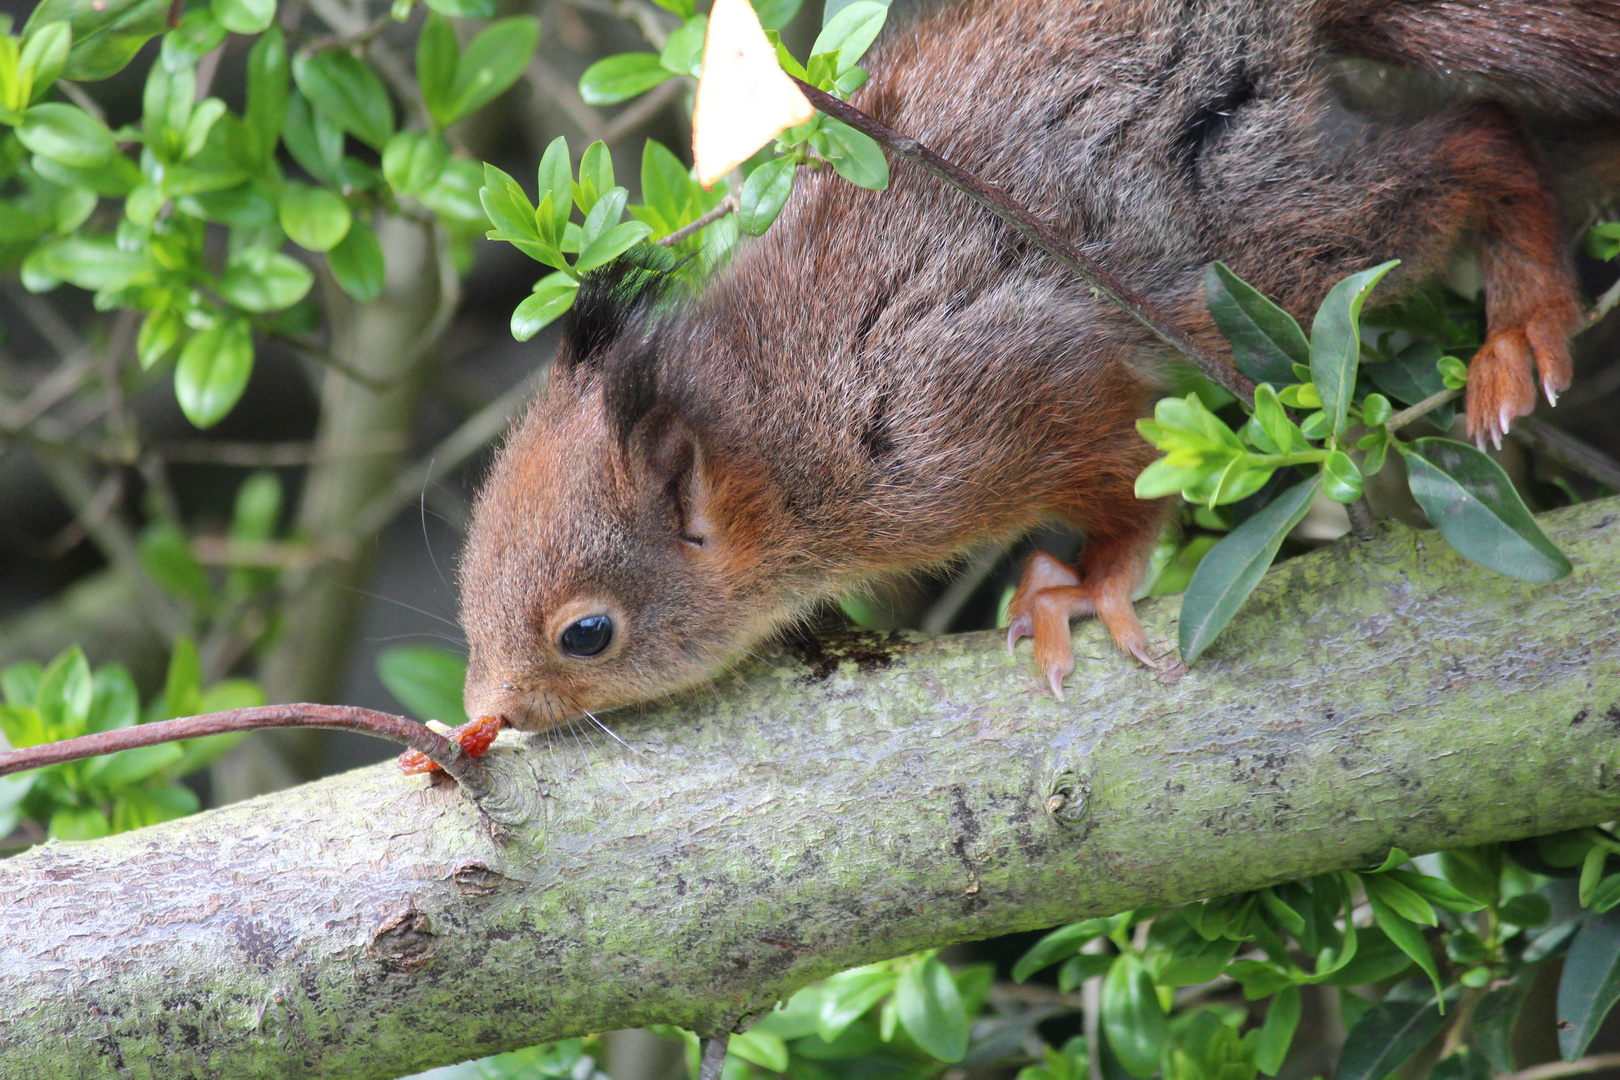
744	99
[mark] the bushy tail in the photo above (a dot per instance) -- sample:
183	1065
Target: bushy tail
1560	54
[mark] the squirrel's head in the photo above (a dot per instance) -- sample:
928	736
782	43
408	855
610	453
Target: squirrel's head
611	557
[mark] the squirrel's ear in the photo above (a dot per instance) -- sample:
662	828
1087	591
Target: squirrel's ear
677	475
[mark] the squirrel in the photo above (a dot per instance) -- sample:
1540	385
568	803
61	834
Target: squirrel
887	380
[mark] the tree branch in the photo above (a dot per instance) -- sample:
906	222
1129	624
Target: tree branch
853	799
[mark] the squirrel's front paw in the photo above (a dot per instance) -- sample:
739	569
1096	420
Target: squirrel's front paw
1049	595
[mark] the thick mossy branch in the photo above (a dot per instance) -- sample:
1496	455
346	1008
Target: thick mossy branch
857	800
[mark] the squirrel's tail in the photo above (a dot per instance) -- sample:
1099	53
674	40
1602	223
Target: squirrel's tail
1560	54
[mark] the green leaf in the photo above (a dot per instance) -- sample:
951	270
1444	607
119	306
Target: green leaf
464	9
851	31
492	62
764	194
930	1009
665	185
680	8
1386	1037
258	508
1375	959
1060	944
427	681
509	210
553	295
1590	983
66	133
213	371
1495	1017
856	157
182	688
760	1047
413	161
775	14
848	995
65	694
621	77
132	766
437	54
611	244
314	218
106	33
79	823
683	50
1131	1017
260	280
1336	342
1266	341
1474	505
556	178
1398	898
90	263
1405	935
1277	1034
357	263
346	91
1077	969
244	16
1233	567
314	141
1435	890
45	49
114	701
267	91
1341	480
166	555
141	807
199	33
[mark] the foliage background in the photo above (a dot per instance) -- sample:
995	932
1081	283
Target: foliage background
132	533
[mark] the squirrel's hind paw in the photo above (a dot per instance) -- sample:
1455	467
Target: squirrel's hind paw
1500	385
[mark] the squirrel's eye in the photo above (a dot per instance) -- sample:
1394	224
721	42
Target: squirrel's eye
588	636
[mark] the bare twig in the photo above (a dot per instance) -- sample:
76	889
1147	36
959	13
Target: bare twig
321	355
714	1057
727	205
1570	452
399	729
219	551
237	454
645	108
1362	523
46	320
945	609
76	94
1032	228
473	435
547	84
1422	408
92	516
1556	1070
1604	304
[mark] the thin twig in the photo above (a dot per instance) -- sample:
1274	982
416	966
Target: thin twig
1570	452
727	205
644	109
1032	228
472	436
102	503
546	84
1605	304
1422	408
714	1057
399	729
1362	522
944	610
1555	1070
76	94
236	454
274	555
321	355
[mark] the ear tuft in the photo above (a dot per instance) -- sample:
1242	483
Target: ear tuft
614	302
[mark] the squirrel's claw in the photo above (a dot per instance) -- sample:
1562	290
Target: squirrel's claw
1501	383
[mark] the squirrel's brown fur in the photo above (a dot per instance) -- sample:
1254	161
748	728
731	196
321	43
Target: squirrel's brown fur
888	379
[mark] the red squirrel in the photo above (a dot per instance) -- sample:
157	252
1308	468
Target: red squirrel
887	380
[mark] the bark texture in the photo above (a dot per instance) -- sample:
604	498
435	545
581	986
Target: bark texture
825	807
